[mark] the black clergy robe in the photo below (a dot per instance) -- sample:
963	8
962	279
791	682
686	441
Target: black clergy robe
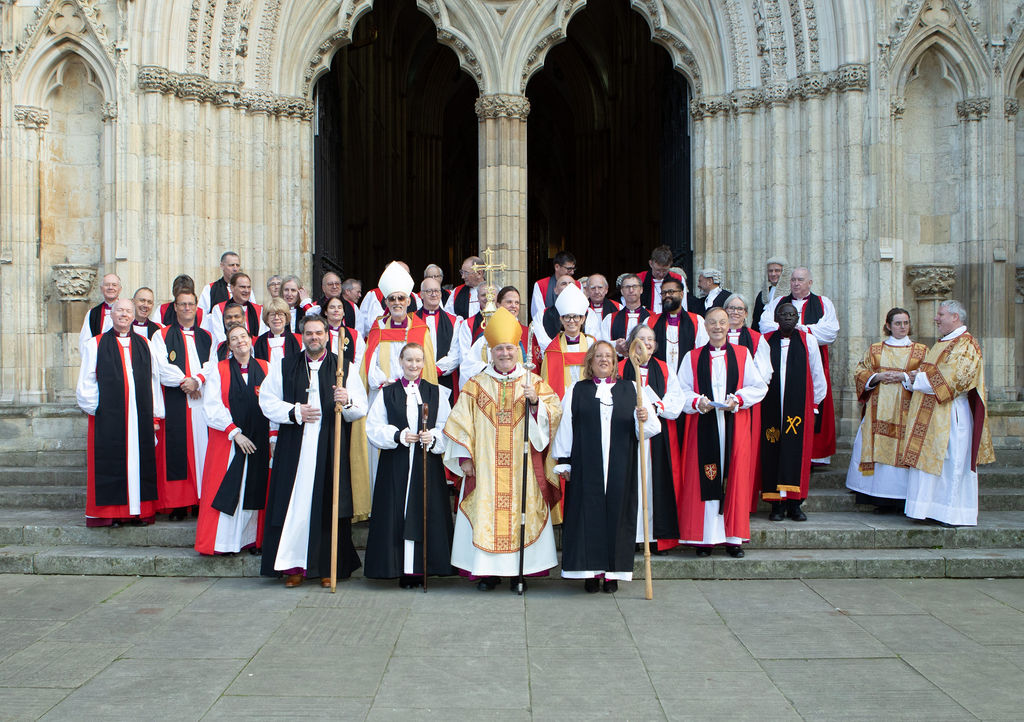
599	526
398	491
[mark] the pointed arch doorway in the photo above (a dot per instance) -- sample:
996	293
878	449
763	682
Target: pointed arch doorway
608	148
395	151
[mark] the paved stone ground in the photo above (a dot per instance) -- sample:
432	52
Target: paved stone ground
196	648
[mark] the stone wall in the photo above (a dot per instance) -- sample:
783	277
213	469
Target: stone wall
875	141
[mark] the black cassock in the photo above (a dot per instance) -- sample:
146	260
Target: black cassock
294	382
396	518
599	530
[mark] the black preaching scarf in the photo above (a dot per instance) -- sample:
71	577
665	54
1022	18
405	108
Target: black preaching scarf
252	318
176	400
782	448
219	292
110	437
445	330
223	351
461	303
170	315
713	479
552	322
243	402
151	327
746	339
687	337
350	312
96	319
813	310
476	326
619	321
261	348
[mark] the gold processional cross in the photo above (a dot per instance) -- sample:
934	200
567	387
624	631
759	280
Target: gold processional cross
489	265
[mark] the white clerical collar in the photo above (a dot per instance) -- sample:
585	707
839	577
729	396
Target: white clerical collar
959	331
513	374
898	342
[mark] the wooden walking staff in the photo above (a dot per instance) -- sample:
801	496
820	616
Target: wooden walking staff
639	355
423	427
340	380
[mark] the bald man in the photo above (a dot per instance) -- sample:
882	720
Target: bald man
596	289
463	302
98	321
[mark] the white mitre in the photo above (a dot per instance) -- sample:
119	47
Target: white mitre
572	301
395	279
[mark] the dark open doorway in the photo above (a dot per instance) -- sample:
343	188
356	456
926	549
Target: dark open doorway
395	151
609	148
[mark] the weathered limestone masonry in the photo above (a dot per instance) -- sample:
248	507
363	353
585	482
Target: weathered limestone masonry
877	141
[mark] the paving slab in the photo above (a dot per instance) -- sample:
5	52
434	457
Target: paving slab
916	634
501	683
805	635
1007	591
982	683
17	634
49	663
699	694
231	708
480	634
313	628
61	597
383	713
28	703
862	596
208	635
326	672
582	672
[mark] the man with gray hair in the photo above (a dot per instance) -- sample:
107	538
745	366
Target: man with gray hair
767	294
947	432
817	316
434	271
709	281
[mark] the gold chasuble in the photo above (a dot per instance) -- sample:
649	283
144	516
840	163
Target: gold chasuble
885	405
953	367
487	420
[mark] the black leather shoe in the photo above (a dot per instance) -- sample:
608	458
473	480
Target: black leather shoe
178	514
610	586
409	582
735	551
703	551
776	513
796	513
487	584
592	585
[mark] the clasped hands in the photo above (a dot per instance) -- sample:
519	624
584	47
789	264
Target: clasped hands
704	404
191	387
425	437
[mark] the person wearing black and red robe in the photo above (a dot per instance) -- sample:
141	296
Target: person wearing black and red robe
394	546
279	340
119	387
720	385
234	315
344	340
818	317
600	305
444	332
434	271
144	300
549	324
297	302
660	268
220	290
597	448
464	300
299	394
544	294
661	388
238	455
165	313
471	332
97	320
241	293
676	330
183	352
795	388
617	326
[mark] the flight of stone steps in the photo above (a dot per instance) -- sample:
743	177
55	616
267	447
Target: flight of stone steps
42	531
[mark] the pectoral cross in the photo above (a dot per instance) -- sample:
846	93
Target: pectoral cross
489	265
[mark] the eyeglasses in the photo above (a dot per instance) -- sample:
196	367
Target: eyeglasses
466	271
185	304
433	275
671	292
396	299
571	270
629	286
431	291
572	318
736	309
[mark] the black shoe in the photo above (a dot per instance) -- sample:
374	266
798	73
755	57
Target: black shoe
407	581
703	551
795	512
592	585
255	550
610	586
776	513
735	551
116	524
178	514
487	584
513	584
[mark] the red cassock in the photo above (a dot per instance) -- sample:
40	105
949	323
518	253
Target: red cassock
739	483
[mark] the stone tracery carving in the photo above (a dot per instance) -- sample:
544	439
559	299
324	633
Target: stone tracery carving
502	105
1011	106
1020	281
267	40
973	108
192	41
73	282
931	282
30	116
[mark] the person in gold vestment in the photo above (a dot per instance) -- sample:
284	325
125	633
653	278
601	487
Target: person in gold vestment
485	431
874	471
947	426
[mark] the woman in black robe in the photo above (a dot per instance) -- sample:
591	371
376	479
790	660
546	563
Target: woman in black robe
596	446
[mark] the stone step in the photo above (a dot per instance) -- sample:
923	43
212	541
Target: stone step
758	564
843	500
825	530
43	476
989	476
50	457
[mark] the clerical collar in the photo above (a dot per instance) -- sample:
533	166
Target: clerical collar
316	360
404	322
122	335
572	341
139	323
898	342
335	329
597	306
801	299
429	312
716	348
672	320
959	331
190	330
633	311
244	369
608	380
406	382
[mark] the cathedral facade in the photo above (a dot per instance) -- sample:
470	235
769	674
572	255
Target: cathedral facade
875	141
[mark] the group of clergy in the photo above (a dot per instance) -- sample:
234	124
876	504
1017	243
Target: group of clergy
399	400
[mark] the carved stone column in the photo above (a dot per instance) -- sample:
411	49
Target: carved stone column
502	182
931	284
1019	332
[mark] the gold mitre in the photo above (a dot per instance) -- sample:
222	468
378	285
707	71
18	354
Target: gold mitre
502	327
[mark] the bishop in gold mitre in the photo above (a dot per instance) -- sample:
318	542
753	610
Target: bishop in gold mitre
486	431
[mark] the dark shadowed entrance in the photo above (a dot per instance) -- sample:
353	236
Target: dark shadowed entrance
395	151
609	147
